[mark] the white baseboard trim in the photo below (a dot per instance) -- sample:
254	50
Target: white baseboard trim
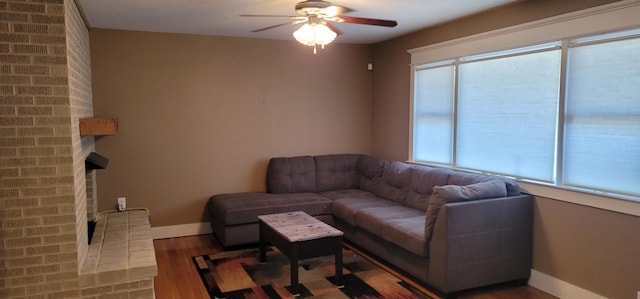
559	288
180	230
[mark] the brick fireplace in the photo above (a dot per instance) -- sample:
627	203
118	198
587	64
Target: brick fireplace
47	196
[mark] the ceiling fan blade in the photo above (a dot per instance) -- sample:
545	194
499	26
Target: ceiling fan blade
333	28
335	10
366	21
278	25
272	16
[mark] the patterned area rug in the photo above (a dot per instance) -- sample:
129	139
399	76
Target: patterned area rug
239	274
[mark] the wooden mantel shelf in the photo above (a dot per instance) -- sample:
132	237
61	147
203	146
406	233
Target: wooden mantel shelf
98	126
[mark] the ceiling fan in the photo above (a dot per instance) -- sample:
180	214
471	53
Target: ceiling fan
317	16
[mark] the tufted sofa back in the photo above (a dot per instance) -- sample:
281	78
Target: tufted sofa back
408	184
312	174
394	182
335	172
291	175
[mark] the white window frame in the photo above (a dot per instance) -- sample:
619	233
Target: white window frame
617	16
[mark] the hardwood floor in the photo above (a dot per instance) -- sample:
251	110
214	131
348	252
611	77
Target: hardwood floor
177	277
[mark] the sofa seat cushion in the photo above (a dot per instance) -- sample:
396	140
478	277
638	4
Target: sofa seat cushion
407	233
346	208
373	219
347	193
242	208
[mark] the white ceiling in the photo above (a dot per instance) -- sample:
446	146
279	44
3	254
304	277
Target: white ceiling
221	17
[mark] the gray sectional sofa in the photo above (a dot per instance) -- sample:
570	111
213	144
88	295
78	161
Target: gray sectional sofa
450	230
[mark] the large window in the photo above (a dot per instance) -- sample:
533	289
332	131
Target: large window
565	113
602	119
434	113
507	110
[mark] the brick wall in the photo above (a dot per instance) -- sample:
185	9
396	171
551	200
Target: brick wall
45	88
81	106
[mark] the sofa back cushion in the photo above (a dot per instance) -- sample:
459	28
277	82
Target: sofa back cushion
466	178
291	175
394	184
423	179
370	172
455	193
335	172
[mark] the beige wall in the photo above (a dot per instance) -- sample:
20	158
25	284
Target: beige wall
591	248
588	247
202	115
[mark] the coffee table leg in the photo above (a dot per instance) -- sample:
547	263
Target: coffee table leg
338	261
294	270
263	245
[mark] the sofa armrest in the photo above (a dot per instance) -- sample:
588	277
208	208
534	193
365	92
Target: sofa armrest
482	242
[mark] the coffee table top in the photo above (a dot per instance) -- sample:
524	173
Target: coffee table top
299	226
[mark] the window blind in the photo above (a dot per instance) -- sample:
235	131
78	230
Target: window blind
507	110
433	114
602	122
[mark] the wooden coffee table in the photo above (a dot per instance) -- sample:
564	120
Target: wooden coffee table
300	236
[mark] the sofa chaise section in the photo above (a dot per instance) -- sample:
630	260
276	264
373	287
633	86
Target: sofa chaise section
234	216
291	186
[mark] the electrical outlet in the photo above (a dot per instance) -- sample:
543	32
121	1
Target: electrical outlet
122	203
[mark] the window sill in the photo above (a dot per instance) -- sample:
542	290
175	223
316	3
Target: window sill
625	206
615	204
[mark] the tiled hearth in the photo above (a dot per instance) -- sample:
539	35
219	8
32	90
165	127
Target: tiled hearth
121	259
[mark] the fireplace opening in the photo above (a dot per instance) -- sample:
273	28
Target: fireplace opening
92	162
91	227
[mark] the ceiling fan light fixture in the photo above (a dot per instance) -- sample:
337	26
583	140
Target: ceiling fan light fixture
313	34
